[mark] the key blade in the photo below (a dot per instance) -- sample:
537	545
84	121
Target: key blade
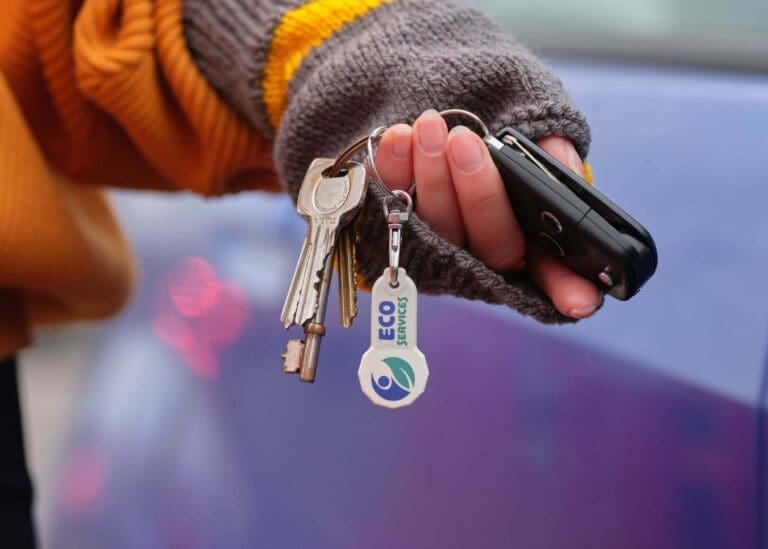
292	300
315	330
347	276
325	232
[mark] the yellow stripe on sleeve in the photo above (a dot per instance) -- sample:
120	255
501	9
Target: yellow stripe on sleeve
301	30
588	174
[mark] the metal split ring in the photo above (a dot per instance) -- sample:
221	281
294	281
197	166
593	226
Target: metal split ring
370	159
395	217
466	114
377	134
343	159
371	140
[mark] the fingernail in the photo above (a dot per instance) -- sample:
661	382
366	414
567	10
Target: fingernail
465	150
574	160
582	312
432	132
401	144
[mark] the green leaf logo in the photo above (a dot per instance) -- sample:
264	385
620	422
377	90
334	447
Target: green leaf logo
402	372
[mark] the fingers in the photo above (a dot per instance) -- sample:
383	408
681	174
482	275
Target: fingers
406	154
394	157
564	151
437	203
571	294
461	196
491	228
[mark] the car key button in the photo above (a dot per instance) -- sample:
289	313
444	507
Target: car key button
551	222
605	277
551	245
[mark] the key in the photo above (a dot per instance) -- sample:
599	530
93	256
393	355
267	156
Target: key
328	203
345	264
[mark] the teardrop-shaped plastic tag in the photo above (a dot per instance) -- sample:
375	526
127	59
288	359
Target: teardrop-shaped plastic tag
393	371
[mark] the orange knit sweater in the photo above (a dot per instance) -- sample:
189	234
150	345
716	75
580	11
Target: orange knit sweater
92	93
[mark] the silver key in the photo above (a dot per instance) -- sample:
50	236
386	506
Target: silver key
345	264
328	203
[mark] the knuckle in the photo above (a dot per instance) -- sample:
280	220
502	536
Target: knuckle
508	258
480	196
432	182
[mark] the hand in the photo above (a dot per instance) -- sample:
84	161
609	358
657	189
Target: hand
460	195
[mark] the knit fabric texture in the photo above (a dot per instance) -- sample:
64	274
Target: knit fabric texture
377	63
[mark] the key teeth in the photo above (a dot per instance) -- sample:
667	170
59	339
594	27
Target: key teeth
353	289
294	351
317	282
353	314
307	304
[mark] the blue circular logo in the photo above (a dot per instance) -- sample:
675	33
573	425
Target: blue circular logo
398	383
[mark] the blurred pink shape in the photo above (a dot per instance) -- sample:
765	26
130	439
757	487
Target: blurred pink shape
223	324
82	483
202	360
173	331
194	288
202	316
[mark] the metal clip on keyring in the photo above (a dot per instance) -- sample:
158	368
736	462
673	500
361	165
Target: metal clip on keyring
396	218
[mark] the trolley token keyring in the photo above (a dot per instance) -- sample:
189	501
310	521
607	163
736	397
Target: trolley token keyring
393	371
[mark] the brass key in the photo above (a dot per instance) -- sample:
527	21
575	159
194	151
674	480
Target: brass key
345	264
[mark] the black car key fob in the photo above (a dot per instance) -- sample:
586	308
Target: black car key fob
571	220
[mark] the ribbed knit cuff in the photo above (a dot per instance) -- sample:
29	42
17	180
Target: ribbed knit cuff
387	64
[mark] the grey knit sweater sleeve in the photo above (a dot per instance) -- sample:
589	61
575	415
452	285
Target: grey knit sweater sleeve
388	65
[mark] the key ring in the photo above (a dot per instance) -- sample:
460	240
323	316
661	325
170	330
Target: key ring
370	159
375	136
369	141
466	114
373	139
346	156
395	217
